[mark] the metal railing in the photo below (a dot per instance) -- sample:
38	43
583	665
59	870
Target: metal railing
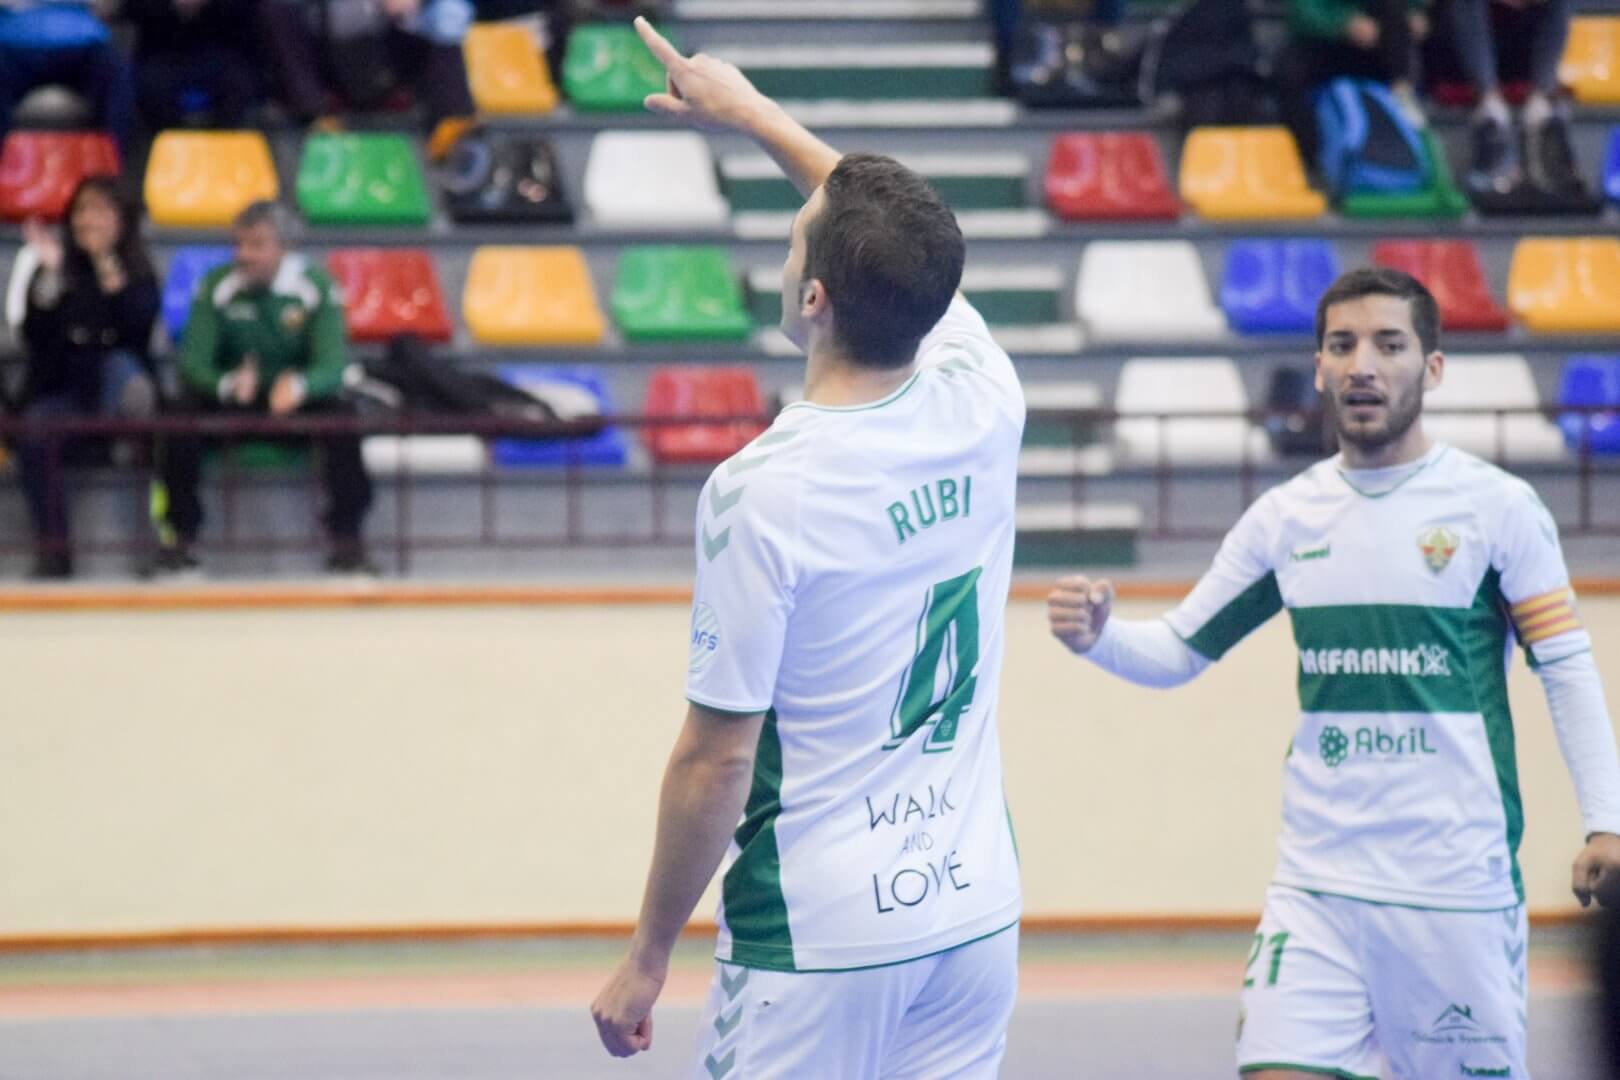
1150	482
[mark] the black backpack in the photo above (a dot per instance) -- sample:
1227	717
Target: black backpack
502	176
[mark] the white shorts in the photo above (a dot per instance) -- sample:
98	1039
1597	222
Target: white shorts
943	1016
1335	986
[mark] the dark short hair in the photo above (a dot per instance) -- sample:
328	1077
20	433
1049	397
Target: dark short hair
889	253
1382	281
264	212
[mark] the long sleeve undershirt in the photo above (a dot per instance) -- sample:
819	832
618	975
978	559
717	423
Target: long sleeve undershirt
1146	652
1580	717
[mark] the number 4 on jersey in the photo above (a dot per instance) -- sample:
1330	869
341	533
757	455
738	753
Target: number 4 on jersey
948	632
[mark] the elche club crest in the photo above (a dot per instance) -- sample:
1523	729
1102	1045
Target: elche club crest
1438	544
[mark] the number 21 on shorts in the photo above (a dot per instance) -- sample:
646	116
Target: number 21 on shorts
1278	942
948	631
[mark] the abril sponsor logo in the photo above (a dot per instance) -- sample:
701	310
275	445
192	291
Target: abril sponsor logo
1480	1070
1337	745
1424	662
705	637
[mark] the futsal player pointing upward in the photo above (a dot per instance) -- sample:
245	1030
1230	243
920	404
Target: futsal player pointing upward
1394	925
847	628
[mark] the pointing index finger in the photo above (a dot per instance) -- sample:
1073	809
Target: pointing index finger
658	45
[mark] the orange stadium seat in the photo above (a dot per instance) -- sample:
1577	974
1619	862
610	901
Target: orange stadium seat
1246	174
1115	176
693	391
1451	269
39	170
531	296
506	72
203	179
390	291
1566	285
1591	63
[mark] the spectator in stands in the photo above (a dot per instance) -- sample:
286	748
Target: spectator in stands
367	49
266	336
62	42
1476	29
1331	39
193	58
91	306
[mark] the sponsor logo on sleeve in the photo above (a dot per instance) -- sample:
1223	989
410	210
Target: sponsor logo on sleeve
705	637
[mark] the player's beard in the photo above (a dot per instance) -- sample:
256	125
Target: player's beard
1400	413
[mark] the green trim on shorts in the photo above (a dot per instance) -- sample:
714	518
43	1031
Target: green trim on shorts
1395	904
872	967
1315	1070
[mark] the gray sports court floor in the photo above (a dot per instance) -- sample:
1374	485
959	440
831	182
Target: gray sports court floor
1112	1008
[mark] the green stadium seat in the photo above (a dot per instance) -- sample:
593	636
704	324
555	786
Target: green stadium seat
607	69
369	179
678	293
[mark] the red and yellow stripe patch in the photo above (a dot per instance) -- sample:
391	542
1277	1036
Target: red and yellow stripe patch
1545	616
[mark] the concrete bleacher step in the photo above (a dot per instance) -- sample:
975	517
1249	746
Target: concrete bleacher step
983	181
1059	415
1068	534
826	10
1047	462
1025	224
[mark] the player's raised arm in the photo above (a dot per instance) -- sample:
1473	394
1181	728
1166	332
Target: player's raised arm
713	95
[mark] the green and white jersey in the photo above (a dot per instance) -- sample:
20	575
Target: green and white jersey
1406	588
852	575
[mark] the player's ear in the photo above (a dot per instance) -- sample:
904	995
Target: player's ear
1434	370
813	301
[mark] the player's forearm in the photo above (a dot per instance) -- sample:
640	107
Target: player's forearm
698	809
1145	652
804	158
1580	718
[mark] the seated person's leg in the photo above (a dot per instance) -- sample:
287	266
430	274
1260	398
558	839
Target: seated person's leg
99	73
40	469
180	467
291	51
1495	164
348	487
437	71
1549	159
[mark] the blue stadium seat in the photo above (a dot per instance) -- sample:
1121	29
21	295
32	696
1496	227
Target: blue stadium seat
573	392
1591	381
187	266
1272	286
1611	168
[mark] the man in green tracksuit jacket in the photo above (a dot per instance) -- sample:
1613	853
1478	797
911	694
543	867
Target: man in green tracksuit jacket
265	336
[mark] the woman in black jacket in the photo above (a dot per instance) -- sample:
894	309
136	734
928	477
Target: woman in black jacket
92	304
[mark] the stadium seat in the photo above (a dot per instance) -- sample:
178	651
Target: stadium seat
187	267
1439	198
367	179
1591	63
1485	383
1566	285
1109	177
531	296
1272	286
574	392
40	170
1246	174
866	71
1151	389
693	391
505	71
607	69
1611	168
504	176
653	180
1591	382
203	179
1147	290
390	291
678	294
424	455
1452	271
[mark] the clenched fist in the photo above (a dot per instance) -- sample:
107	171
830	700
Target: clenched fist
1077	610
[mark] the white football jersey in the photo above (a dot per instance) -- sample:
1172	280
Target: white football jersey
852	575
1406	588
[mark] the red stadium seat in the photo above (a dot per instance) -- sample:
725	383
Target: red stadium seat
39	170
390	291
1451	269
690	391
1109	177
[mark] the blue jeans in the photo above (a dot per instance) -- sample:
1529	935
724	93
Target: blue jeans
40	460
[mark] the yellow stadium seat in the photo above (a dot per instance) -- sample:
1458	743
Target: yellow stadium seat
531	296
1246	174
200	179
505	71
1591	64
1566	285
